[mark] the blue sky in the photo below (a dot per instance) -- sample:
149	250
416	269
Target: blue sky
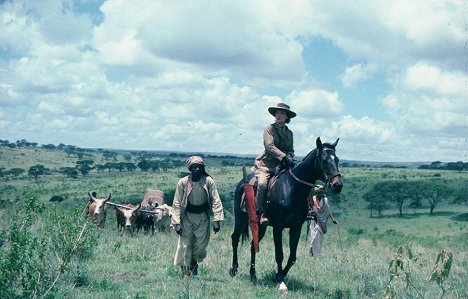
389	78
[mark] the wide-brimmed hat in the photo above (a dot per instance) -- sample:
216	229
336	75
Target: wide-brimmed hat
284	107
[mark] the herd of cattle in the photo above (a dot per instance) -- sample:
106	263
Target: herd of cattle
149	215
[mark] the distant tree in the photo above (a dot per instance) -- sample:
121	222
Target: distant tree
436	164
433	192
144	165
69	171
128	157
121	166
458	166
396	192
130	166
37	170
100	167
110	165
49	146
416	203
376	201
108	155
84	166
15	171
154	165
460	194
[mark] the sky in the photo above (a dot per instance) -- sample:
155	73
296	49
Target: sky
389	78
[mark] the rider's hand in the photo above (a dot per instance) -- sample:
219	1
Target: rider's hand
288	160
216	226
178	229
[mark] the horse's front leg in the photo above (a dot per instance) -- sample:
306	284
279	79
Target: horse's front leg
253	272
294	236
278	239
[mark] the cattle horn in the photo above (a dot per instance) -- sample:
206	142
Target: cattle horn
108	197
91	196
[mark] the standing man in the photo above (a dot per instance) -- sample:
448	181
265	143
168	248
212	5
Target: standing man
195	195
279	150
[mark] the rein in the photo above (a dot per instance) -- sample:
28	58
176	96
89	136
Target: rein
327	178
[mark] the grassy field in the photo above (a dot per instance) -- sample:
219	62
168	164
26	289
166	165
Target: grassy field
353	264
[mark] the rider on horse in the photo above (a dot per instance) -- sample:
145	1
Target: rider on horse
279	151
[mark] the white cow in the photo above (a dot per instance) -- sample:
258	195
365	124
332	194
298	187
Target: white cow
163	217
126	217
96	208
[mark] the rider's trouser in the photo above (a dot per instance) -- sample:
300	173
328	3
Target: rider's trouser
262	181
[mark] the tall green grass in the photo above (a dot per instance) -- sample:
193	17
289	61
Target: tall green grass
353	264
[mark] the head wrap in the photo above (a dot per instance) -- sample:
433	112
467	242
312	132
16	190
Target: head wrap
319	188
194	160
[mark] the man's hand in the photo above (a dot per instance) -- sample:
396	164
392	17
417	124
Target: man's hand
216	226
178	229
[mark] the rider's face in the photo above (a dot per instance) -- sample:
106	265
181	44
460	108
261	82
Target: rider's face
280	116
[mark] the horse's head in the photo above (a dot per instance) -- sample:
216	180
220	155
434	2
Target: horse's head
329	165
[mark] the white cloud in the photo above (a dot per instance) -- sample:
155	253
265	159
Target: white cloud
431	79
315	103
356	73
429	101
197	76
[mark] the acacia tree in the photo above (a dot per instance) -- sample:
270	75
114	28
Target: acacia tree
376	200
396	192
433	192
37	170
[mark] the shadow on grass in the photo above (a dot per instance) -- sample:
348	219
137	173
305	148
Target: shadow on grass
293	284
460	217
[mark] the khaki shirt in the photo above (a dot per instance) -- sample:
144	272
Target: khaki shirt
278	144
184	189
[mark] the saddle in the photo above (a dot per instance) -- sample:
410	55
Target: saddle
271	183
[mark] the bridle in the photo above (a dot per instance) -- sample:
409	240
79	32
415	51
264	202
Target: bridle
324	173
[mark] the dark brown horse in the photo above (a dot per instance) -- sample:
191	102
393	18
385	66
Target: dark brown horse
288	206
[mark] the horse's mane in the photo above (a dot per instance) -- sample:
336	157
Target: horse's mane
314	151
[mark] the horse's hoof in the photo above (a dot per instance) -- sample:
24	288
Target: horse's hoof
233	271
253	278
283	288
278	278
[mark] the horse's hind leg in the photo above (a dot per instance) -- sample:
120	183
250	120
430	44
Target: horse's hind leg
294	236
235	244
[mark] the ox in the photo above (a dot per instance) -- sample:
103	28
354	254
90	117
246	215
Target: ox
96	208
126	217
163	217
146	219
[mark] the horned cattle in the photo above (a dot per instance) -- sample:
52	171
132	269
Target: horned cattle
146	219
96	208
126	217
163	217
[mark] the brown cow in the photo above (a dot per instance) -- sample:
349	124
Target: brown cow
126	217
96	208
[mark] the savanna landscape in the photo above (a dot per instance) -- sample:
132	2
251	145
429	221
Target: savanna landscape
402	232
